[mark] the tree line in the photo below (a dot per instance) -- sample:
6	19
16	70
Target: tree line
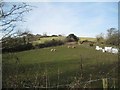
24	41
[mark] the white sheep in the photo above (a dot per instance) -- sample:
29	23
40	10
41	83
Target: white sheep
68	46
97	48
108	49
103	50
73	47
51	50
54	50
114	50
100	48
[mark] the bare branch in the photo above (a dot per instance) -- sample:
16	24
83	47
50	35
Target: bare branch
10	21
4	29
10	17
9	32
15	8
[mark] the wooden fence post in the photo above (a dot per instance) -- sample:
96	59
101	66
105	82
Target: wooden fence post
90	80
81	67
114	83
46	81
58	79
105	83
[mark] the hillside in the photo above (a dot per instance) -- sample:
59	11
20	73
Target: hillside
42	40
37	66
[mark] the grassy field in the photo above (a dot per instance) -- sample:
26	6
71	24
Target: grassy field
43	68
87	38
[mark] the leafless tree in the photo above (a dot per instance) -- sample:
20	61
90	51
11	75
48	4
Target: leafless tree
10	14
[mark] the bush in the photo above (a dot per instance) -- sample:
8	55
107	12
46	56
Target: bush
21	47
40	46
72	38
91	44
53	43
24	47
50	44
69	40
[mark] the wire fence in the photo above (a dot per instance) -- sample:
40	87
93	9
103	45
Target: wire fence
104	82
78	83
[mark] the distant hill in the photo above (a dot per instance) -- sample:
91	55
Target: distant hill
42	40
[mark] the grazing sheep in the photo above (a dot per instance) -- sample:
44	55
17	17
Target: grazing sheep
68	46
51	50
97	48
100	48
108	49
54	50
114	50
103	50
73	47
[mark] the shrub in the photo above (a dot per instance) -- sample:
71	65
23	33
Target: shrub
91	44
49	43
53	43
21	47
40	45
72	38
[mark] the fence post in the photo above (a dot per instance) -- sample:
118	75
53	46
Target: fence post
46	77
90	80
81	67
58	79
105	83
114	83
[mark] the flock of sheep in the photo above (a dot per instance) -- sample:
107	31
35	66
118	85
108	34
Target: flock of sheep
107	49
53	49
71	46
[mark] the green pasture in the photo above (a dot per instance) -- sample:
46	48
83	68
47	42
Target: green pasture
35	65
87	38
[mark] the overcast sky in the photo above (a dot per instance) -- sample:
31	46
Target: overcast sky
81	18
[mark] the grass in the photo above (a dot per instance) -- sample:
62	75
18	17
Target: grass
87	38
33	65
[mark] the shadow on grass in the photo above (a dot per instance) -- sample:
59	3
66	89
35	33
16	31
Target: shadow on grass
31	75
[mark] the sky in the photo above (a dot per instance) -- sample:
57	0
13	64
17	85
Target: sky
84	19
61	0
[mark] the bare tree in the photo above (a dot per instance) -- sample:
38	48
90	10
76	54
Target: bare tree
100	38
113	37
10	15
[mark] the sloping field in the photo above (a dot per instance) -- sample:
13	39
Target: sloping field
87	38
42	40
43	68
